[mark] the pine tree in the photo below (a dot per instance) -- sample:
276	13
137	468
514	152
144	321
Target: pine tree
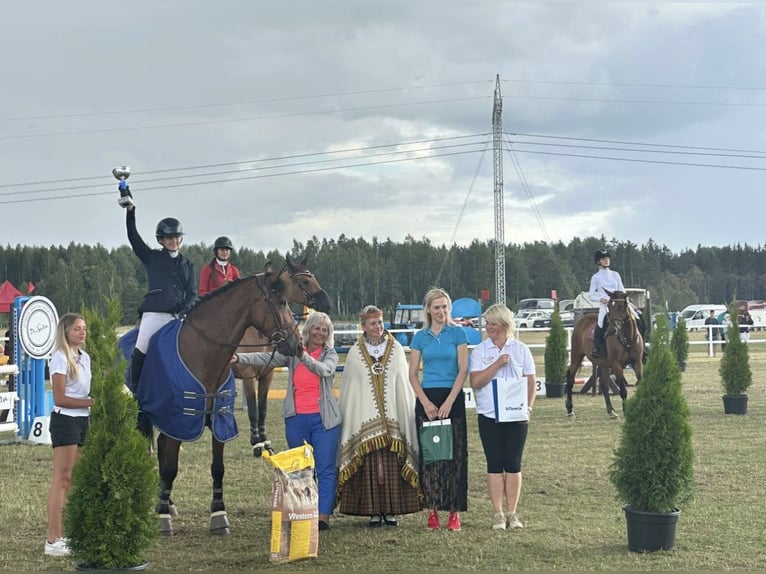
652	468
736	375
679	341
556	356
109	517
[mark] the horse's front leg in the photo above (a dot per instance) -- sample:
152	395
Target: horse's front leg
622	383
219	521
167	457
571	372
251	399
603	378
264	384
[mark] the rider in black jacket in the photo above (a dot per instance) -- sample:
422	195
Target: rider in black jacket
172	284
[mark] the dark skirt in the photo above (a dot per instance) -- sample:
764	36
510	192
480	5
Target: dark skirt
445	483
378	488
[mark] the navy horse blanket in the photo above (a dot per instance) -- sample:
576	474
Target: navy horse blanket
172	397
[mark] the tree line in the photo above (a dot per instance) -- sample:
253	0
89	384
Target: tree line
357	271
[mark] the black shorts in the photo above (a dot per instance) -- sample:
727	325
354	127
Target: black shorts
66	430
503	444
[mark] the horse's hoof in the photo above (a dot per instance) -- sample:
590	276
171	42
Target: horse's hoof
614	415
166	525
219	523
257	450
173	511
570	416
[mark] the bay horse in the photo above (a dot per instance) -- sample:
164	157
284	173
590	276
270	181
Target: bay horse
300	287
624	346
207	338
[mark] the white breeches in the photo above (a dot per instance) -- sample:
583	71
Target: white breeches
150	323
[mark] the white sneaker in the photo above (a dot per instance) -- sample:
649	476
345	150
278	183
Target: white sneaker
498	522
58	548
513	521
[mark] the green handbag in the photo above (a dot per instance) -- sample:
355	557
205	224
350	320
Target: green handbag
436	440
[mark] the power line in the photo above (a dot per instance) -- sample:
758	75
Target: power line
636	101
246	119
232	180
259	160
241	103
242	170
539	217
623	142
634	85
669	152
462	211
637	160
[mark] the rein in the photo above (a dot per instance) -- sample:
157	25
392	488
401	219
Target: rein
626	341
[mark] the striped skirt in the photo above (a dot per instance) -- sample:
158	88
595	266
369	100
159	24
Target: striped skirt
378	488
445	483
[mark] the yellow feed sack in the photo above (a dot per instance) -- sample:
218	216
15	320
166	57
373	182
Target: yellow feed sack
294	505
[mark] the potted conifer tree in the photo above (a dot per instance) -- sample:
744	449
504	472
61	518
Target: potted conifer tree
652	468
679	342
109	516
736	375
556	358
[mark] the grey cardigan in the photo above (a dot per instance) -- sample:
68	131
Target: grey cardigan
329	409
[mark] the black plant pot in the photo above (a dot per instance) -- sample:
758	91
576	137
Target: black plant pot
554	390
84	567
651	531
735	404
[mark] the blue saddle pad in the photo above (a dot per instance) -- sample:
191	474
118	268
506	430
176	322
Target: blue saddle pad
173	397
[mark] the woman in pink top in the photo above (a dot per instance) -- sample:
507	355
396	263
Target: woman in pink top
311	410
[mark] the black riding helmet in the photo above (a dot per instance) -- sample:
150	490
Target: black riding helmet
168	227
222	242
599	255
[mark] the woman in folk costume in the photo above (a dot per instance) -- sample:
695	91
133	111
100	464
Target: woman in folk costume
378	457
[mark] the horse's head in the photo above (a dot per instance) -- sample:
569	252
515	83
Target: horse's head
278	323
302	287
618	305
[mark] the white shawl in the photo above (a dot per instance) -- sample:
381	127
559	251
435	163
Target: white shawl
378	410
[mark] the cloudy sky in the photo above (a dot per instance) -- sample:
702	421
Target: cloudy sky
275	121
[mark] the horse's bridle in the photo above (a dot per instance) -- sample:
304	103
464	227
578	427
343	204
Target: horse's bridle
310	300
279	336
619	323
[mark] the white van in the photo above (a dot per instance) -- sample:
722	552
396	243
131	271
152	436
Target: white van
695	315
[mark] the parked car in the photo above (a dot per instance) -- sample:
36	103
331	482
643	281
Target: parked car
530	318
537	303
346	334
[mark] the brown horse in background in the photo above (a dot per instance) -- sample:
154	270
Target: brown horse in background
624	346
300	287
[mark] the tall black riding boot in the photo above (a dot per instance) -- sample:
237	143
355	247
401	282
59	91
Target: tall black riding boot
144	423
598	341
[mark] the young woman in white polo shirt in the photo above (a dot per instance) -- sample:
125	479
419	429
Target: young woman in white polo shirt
70	378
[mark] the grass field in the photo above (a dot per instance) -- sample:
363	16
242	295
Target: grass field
572	519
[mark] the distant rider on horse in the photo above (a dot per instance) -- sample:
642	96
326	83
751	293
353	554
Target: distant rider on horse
604	278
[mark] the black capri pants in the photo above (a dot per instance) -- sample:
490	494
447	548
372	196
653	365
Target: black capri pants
503	444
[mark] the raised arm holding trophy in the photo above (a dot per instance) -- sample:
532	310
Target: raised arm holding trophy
122	174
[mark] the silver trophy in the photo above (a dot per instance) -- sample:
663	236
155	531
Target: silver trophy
122	174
